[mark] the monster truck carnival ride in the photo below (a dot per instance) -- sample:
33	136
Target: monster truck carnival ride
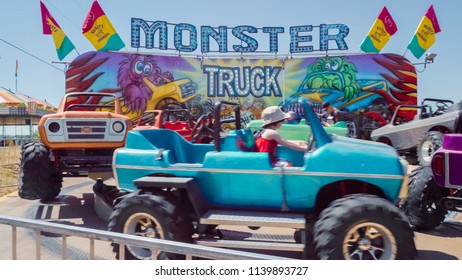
419	138
79	139
169	188
194	130
436	190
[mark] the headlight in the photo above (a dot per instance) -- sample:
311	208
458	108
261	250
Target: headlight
54	127
118	126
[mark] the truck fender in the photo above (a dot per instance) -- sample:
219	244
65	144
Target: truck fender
198	201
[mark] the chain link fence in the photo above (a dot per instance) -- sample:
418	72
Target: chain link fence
9	164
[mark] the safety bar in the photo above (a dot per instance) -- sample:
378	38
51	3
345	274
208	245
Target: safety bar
155	245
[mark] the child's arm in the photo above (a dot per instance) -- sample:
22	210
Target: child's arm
273	135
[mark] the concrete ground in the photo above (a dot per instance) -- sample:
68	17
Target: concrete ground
75	206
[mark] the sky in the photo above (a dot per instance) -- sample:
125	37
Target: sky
41	75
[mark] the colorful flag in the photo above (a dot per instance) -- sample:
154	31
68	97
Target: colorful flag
384	27
424	36
62	43
16	73
99	31
46	14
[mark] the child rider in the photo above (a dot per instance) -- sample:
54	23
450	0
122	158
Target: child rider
268	139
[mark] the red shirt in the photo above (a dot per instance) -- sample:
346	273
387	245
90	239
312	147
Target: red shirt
269	146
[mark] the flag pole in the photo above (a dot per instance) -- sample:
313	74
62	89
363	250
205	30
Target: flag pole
16	76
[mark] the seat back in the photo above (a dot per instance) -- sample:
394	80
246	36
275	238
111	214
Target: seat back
424	113
176	126
182	150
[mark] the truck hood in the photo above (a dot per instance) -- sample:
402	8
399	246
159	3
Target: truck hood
348	155
364	145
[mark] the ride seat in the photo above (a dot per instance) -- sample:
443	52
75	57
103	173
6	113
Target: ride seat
424	113
176	126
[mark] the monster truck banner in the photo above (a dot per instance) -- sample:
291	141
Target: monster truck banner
367	86
242	39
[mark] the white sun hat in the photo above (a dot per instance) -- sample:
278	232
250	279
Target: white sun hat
273	114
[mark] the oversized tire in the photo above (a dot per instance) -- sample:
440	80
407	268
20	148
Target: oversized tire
421	205
427	146
195	108
368	125
203	132
38	179
363	227
151	216
351	123
385	140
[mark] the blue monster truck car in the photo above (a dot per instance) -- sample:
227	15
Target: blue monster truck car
339	196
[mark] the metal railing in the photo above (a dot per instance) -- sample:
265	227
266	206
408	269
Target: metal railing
155	245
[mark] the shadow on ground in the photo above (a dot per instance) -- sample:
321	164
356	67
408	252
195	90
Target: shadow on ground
434	255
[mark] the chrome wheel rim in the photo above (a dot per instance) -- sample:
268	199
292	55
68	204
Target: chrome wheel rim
369	241
143	224
352	132
427	151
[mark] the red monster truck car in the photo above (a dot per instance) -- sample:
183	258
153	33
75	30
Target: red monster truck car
79	139
179	120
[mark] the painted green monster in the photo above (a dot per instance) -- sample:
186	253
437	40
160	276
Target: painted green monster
331	70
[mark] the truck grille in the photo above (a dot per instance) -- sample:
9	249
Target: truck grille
298	108
187	89
86	129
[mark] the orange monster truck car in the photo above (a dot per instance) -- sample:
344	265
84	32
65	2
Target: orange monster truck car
79	139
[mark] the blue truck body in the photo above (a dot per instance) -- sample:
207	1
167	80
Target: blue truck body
342	190
232	177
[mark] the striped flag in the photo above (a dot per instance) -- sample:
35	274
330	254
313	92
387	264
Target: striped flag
62	43
99	31
16	73
424	36
384	27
